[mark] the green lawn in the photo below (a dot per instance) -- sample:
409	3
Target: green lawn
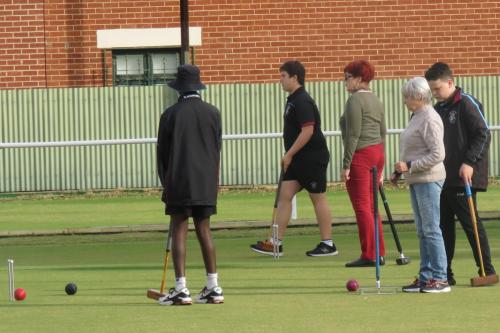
51	212
293	294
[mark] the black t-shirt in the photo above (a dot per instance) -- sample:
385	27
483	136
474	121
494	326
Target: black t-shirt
301	111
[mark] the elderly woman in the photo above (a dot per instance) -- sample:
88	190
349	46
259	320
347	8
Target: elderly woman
363	133
422	154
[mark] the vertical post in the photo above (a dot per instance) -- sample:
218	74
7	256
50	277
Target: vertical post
104	69
184	32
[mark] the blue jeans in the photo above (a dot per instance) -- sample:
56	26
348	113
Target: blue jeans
425	200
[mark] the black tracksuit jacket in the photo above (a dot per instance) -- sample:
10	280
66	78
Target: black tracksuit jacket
466	139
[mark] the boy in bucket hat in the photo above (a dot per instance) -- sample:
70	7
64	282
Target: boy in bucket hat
188	154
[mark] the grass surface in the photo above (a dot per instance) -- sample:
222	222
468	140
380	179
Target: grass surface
50	212
295	294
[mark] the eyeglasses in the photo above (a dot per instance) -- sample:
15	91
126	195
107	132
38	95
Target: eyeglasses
347	76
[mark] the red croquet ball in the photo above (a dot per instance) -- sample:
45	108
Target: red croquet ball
352	285
20	294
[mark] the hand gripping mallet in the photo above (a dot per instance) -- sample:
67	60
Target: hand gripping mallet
483	280
402	260
153	293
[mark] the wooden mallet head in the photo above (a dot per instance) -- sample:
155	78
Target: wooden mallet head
154	294
481	281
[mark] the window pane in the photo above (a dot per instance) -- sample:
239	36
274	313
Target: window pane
164	63
132	64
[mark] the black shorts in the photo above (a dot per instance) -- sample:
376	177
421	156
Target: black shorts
197	212
309	172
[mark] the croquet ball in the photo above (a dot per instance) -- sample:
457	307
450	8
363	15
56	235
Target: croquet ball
70	288
20	294
352	285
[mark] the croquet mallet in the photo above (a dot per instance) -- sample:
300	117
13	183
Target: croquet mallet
154	293
378	290
402	260
483	279
274	226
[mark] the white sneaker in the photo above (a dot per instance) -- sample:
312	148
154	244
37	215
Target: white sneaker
211	296
174	297
435	287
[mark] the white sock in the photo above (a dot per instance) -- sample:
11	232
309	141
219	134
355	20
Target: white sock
271	240
212	280
328	242
180	283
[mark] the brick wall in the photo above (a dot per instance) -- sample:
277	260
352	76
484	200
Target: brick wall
53	42
22	58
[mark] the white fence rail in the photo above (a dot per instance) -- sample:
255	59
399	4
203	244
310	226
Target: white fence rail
153	140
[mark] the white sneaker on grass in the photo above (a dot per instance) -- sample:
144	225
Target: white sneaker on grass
174	297
210	296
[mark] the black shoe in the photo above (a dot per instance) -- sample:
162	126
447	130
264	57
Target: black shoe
365	263
451	281
323	250
361	263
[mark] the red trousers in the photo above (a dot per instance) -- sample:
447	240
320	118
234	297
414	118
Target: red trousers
360	189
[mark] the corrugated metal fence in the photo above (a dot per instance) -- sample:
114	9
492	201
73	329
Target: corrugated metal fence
133	112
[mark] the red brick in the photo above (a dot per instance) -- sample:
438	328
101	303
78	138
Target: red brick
245	42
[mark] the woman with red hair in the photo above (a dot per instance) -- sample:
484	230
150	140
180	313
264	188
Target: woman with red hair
363	133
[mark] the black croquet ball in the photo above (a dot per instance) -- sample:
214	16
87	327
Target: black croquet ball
70	288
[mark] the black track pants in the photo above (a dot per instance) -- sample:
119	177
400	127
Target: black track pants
454	203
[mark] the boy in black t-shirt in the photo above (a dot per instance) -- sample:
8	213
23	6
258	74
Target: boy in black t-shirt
304	163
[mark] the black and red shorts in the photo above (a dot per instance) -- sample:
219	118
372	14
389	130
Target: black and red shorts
309	171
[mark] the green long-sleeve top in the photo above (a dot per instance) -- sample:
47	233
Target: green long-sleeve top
362	124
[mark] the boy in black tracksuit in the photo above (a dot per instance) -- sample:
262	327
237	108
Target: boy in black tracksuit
466	140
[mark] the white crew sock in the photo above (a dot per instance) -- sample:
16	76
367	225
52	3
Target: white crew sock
271	240
212	280
328	242
180	283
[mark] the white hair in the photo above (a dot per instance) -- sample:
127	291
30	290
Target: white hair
417	89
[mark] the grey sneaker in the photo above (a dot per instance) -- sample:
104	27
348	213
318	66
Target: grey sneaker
414	287
174	297
435	287
210	296
323	250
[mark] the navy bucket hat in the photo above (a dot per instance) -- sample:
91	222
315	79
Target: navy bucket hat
187	79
